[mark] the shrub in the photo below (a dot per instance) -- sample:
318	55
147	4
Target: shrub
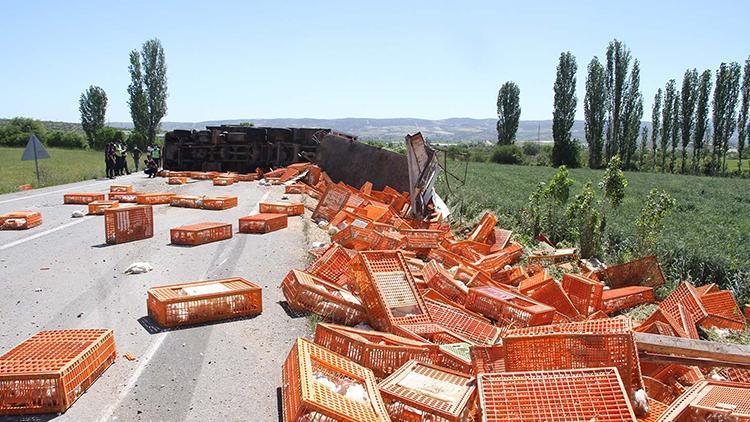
507	154
531	148
66	140
15	133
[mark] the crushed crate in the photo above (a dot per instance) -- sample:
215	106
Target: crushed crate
128	224
288	208
383	353
552	294
331	265
155	198
640	272
48	372
120	188
98	207
615	300
219	202
711	400
173	180
354	237
199	234
420	391
586	294
186	201
442	281
468	327
507	308
333	200
722	310
203	301
315	383
124	197
570	395
223	181
387	289
262	223
83	198
589	344
20	220
305	292
684	295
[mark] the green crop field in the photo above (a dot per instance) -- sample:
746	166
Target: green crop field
63	166
707	237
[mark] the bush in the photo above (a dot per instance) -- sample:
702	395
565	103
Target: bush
106	135
66	140
16	132
531	148
507	154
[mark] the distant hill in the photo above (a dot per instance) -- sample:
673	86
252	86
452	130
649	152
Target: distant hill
55	126
453	129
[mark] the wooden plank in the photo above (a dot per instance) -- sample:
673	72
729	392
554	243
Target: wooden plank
654	347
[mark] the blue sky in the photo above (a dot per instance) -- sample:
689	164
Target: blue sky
326	59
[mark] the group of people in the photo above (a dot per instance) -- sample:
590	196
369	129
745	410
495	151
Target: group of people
116	154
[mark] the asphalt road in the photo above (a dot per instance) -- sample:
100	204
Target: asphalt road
61	275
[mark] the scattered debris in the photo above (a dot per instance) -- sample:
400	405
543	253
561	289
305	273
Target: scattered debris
138	268
129	356
78	214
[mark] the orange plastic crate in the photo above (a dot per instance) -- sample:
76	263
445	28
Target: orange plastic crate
297	188
573	395
589	344
685	295
468	327
179	174
615	300
383	353
507	308
487	359
288	208
154	198
419	239
200	175
722	310
552	294
25	187
711	400
640	272
98	207
128	224
120	188
305	397
388	290
423	392
333	200
223	181
249	177
441	280
354	237
49	371
331	265
174	180
82	198
586	294
20	220
262	223
186	201
124	197
219	202
305	292
484	229
199	234
202	301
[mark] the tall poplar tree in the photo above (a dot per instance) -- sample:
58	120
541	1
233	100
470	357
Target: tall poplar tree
701	117
148	88
644	145
724	107
508	113
689	95
675	130
618	60
595	111
666	122
743	120
631	116
564	150
655	115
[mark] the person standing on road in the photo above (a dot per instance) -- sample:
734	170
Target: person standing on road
124	155
109	160
136	157
156	155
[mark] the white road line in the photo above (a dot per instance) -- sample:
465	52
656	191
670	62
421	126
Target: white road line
61	190
40	234
145	359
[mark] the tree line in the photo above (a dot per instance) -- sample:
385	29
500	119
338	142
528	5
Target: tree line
691	127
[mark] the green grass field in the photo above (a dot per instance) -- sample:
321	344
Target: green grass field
706	237
63	166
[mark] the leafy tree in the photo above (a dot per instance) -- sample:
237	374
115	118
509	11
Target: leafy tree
666	121
106	135
743	123
655	112
16	132
675	130
595	111
644	144
546	207
618	60
148	88
632	115
508	113
701	117
564	151
724	105
93	108
659	204
689	94
613	183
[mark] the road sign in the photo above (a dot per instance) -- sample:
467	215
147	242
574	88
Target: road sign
34	151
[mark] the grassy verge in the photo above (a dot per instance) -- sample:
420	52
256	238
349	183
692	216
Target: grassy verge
63	166
706	239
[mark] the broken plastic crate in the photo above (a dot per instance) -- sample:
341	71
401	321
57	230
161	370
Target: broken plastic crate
687	296
572	395
507	308
84	198
441	280
128	224
552	294
388	290
586	294
223	181
219	202
487	359
20	220
333	200
305	292
711	400
296	188
470	328
288	208
318	384
331	265
614	300
202	301
154	198
423	392
177	180
98	207
422	240
354	237
722	310
124	197
640	272
383	353
120	188
484	229
199	234
49	371
262	223
589	344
